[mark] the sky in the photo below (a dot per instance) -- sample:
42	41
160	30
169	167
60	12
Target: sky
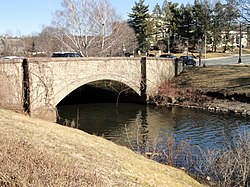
27	17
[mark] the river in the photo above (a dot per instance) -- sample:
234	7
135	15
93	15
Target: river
133	124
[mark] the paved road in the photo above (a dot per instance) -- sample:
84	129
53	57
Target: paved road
245	59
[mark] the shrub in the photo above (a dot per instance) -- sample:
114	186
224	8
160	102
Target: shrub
229	167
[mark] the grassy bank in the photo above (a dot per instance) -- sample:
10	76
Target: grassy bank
222	88
39	153
227	79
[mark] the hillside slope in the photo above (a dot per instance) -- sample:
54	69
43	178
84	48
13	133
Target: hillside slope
34	152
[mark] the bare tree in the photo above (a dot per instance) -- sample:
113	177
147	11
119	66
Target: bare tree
11	46
91	27
46	42
244	7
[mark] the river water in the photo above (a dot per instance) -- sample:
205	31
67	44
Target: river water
133	124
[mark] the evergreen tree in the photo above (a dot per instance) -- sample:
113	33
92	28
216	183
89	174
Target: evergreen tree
139	21
157	11
157	22
33	47
217	24
168	15
171	21
175	17
202	18
231	13
186	25
157	16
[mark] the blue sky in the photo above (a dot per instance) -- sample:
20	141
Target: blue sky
26	17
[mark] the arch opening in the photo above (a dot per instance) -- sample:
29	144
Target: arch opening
102	91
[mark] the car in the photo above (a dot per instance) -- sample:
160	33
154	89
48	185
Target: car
167	56
66	54
129	55
12	57
188	60
151	55
15	58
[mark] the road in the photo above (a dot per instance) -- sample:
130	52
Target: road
245	59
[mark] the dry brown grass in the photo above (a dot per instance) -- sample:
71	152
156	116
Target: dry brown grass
24	165
225	79
35	152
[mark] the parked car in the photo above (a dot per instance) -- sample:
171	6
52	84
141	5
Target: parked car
129	55
188	60
12	57
66	54
16	58
151	55
167	56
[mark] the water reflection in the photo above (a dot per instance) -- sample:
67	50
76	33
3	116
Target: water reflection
131	124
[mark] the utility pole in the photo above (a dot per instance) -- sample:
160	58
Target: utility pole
205	47
240	47
168	43
200	50
169	35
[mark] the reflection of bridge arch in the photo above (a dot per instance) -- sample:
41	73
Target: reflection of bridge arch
42	83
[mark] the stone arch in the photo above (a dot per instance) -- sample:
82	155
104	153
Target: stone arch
65	90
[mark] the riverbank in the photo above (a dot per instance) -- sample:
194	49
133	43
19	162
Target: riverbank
215	88
40	153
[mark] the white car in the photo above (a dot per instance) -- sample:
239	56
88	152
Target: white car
19	58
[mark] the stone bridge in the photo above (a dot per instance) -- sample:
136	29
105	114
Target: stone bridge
37	85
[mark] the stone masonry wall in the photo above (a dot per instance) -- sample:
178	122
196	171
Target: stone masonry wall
11	95
52	79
